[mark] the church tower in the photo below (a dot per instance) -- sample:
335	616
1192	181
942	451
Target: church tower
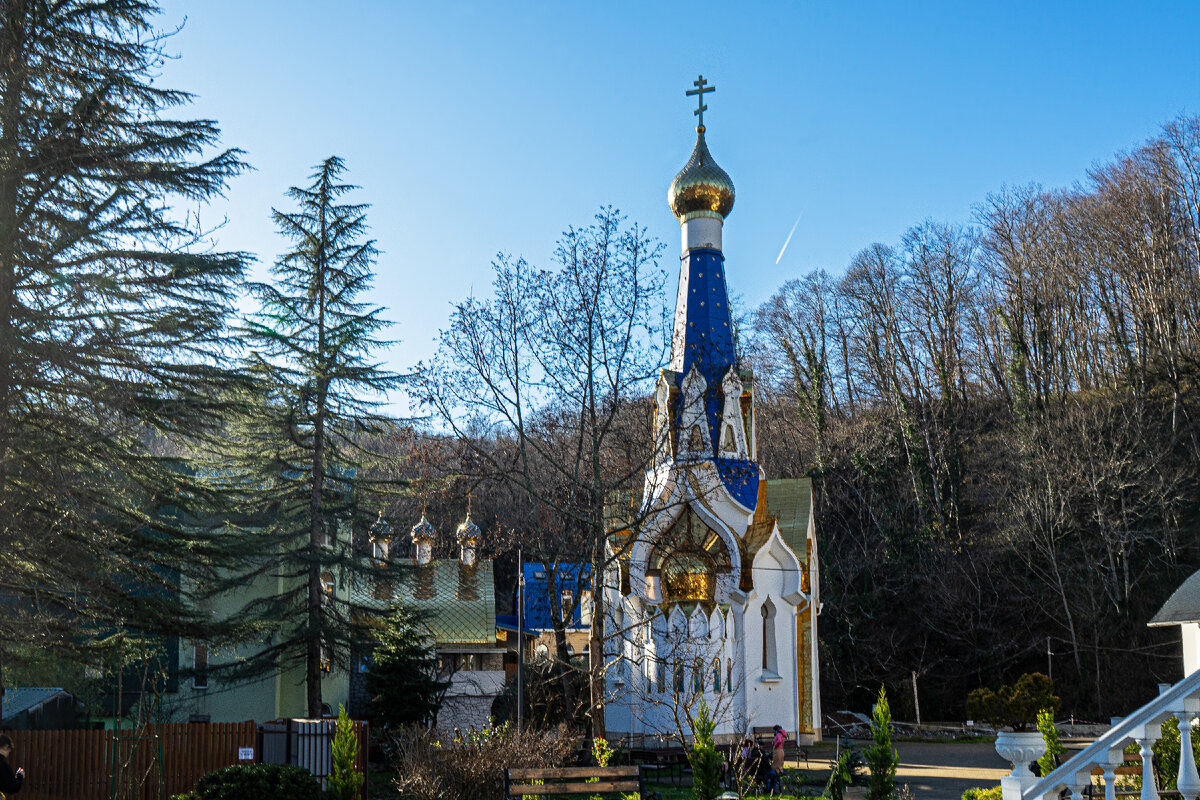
715	596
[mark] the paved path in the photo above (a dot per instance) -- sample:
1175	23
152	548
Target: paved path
938	770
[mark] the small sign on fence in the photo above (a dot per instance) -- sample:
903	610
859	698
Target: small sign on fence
245	754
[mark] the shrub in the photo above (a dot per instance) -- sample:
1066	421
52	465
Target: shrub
1054	748
704	758
845	772
345	781
1014	706
469	765
880	757
1166	752
980	793
256	781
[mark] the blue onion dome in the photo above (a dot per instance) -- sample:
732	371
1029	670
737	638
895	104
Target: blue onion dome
381	530
423	531
468	531
701	189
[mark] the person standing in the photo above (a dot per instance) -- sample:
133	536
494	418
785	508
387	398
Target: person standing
10	782
776	776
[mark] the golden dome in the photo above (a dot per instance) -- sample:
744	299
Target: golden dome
701	189
468	531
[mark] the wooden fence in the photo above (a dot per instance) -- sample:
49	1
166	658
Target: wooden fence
151	764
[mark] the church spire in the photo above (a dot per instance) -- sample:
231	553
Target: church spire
701	196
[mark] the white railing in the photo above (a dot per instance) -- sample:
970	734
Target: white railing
1143	727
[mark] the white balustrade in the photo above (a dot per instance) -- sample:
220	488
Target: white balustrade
1188	781
1146	745
1143	727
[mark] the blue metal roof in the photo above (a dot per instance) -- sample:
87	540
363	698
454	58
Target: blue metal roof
571	578
708	345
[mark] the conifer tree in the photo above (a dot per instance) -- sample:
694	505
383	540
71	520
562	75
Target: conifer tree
301	453
403	681
880	757
112	325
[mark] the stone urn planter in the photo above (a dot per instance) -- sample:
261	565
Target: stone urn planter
1021	748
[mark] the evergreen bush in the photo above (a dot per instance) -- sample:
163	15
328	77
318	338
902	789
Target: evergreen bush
704	758
1054	748
880	757
845	772
258	781
1015	706
980	793
345	781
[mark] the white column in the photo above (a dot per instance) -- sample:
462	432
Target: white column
1188	781
1110	781
1149	790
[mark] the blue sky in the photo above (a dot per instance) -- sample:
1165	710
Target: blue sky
475	128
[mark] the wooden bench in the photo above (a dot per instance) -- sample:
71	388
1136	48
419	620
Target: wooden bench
519	782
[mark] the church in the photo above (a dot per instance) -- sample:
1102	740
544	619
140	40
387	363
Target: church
713	592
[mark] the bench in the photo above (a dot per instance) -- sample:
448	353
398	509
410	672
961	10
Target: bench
520	782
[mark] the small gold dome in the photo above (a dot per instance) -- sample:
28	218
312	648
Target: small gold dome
701	189
468	531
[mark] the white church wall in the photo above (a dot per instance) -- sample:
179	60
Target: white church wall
1191	647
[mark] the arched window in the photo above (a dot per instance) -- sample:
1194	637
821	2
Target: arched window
698	675
729	674
679	676
661	675
717	674
769	660
326	588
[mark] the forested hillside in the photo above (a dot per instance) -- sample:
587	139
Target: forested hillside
1002	421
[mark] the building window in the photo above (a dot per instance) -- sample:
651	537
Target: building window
698	675
769	662
585	609
717	675
564	607
199	666
678	676
661	675
326	662
326	588
729	674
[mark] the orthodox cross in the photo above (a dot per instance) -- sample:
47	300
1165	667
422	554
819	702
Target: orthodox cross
701	89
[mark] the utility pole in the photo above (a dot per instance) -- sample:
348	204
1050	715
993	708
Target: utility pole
916	702
520	640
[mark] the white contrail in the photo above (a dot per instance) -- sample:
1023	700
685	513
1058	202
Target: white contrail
788	240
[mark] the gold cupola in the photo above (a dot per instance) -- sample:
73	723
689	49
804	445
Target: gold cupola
701	189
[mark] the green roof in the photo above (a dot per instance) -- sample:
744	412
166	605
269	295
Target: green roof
790	499
460	601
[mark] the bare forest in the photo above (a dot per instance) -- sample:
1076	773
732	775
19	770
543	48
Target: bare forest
1001	421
